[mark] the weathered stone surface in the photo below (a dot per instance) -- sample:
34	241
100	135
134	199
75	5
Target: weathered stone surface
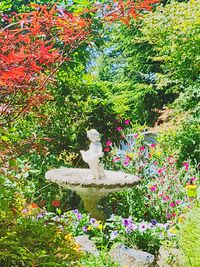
86	244
131	257
169	257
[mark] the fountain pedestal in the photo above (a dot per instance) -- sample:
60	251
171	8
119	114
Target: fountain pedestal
90	190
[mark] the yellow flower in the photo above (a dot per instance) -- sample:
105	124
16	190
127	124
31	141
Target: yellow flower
191	187
89	228
130	155
181	218
159	153
173	231
68	237
100	227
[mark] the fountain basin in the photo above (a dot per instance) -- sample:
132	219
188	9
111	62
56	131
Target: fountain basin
90	190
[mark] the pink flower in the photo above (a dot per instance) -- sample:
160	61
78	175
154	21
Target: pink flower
172	204
135	135
142	148
186	165
160	170
166	198
168	216
126	163
149	155
193	179
152	145
119	128
127	122
178	202
153	188
107	149
108	143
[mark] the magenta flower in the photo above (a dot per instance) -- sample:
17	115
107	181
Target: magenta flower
108	143
152	145
135	135
142	148
107	149
119	128
186	165
166	198
193	179
127	122
172	204
153	188
160	170
126	163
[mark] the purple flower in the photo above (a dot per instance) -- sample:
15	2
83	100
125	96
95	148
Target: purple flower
126	222
85	229
153	222
131	227
93	220
75	211
143	227
79	216
40	215
113	235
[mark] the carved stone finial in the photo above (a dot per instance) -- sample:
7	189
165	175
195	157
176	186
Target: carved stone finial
93	154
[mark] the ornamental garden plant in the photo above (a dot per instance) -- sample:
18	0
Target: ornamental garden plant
128	69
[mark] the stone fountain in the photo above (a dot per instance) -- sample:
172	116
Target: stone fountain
93	183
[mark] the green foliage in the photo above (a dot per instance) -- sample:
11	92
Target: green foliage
173	30
190	238
31	242
98	261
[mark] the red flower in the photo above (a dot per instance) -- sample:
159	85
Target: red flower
56	203
34	205
107	149
116	159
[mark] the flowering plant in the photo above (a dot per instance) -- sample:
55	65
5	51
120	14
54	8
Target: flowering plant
167	191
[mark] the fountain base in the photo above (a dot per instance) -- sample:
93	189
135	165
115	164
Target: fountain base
90	190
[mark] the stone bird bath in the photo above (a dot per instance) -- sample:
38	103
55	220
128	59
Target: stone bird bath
93	183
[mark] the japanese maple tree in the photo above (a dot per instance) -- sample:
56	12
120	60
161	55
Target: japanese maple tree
34	45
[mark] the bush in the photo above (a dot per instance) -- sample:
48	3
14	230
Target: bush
32	243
